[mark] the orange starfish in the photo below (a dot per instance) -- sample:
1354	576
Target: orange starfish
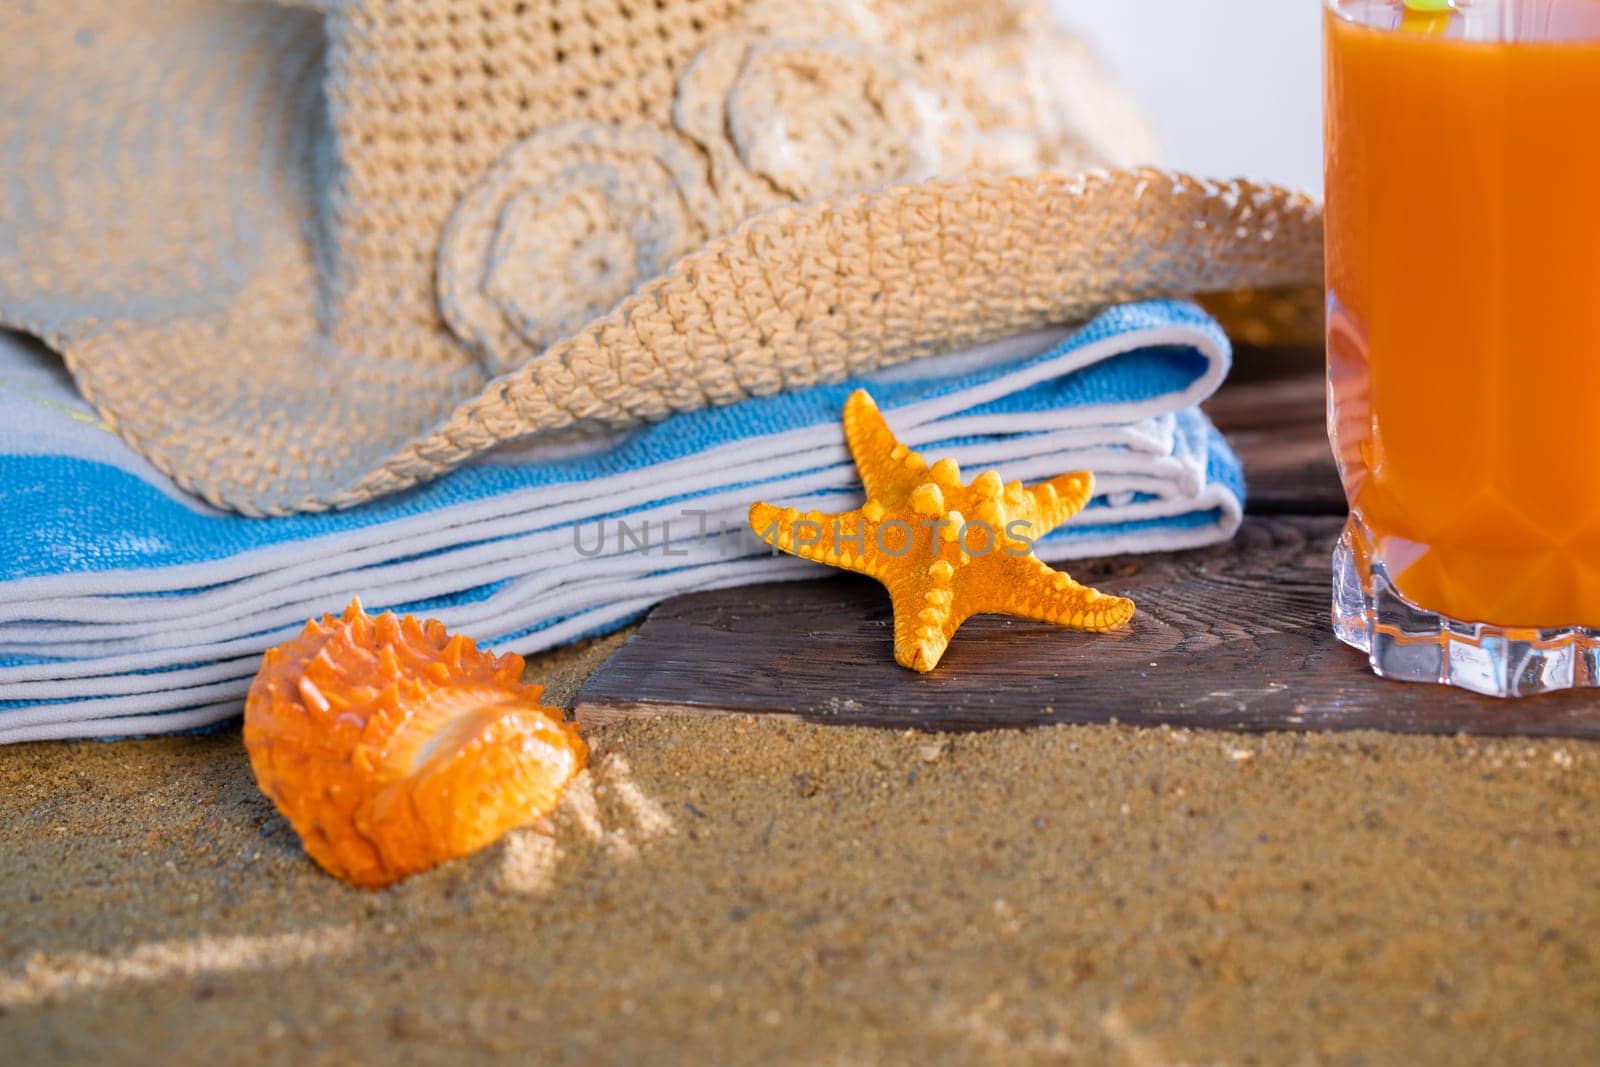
944	550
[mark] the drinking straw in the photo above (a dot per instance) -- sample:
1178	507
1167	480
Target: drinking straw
1427	16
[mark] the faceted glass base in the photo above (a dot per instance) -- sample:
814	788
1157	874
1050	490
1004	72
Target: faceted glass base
1409	644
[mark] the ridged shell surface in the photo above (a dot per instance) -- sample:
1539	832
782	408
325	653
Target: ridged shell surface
393	746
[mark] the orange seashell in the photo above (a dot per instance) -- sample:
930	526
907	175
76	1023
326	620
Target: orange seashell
392	746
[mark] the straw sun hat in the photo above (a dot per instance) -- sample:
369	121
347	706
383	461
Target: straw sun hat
305	255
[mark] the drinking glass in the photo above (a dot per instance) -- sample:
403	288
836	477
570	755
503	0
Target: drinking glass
1463	271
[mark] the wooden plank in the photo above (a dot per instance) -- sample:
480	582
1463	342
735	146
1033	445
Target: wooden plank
1233	637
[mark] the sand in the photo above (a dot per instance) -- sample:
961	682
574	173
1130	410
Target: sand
729	890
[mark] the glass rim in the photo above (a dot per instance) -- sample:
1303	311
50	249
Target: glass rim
1531	23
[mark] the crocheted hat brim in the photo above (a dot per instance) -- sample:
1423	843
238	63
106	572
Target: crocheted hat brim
254	414
174	248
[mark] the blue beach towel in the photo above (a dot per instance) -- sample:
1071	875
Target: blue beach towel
128	607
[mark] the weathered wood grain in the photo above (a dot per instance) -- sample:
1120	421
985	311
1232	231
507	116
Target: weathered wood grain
1232	637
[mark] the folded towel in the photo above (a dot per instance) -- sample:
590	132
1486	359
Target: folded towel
128	607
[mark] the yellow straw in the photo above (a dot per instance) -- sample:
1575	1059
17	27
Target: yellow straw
1431	17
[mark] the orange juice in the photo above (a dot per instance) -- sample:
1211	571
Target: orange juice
1463	245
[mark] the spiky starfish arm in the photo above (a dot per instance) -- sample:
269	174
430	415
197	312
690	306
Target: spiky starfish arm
1059	499
926	615
1033	590
889	470
837	540
944	550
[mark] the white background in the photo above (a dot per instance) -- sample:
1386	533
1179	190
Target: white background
1234	86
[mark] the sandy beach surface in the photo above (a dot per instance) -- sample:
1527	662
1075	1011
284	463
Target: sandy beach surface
728	890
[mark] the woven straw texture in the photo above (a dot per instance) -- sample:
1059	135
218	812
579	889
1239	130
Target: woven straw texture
303	255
